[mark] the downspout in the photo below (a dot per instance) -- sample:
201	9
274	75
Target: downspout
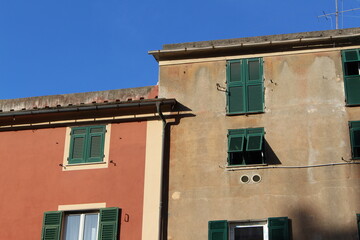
158	107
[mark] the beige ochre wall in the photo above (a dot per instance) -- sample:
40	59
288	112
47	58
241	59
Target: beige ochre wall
150	227
306	123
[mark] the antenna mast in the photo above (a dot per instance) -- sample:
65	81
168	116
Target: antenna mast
336	13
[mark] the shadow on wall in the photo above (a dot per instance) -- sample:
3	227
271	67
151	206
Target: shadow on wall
176	118
270	155
305	224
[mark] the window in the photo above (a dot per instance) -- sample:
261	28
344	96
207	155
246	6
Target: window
358	223
101	225
351	69
355	139
245	90
246	146
87	144
270	229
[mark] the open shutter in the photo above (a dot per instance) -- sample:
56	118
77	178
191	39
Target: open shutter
95	151
254	142
350	55
352	86
236	143
355	139
236	98
109	224
351	69
218	230
278	228
254	85
78	145
51	226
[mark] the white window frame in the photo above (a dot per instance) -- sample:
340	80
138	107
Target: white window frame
82	223
248	224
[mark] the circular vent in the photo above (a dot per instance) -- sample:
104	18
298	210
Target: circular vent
244	179
256	178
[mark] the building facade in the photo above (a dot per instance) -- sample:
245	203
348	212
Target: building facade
82	166
271	146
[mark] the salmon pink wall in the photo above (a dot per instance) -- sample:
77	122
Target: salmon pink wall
32	181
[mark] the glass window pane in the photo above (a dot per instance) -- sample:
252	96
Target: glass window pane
71	227
91	226
356	138
249	233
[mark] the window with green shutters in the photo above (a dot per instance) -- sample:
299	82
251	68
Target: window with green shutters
270	229
246	146
351	69
355	139
245	86
100	225
87	144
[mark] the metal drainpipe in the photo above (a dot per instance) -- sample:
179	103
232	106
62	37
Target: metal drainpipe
158	107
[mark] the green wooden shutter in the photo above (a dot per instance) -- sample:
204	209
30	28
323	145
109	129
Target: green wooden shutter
254	142
352	88
253	74
351	61
350	55
218	230
78	145
51	226
95	143
236	99
109	224
355	139
278	228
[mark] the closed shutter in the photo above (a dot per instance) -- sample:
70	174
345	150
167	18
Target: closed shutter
96	139
236	99
51	226
109	224
78	145
218	230
278	228
245	91
254	85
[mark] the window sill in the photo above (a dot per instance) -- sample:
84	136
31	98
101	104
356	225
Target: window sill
84	164
245	113
247	167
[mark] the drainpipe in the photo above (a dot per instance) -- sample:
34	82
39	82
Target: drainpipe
158	107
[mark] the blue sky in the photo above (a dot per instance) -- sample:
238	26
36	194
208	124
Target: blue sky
65	46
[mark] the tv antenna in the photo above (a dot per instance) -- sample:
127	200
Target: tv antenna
336	13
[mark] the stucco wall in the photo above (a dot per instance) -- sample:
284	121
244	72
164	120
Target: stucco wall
306	123
32	181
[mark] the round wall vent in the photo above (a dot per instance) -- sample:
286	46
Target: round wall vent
256	178
244	179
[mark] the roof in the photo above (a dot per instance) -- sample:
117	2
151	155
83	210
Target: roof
269	43
79	99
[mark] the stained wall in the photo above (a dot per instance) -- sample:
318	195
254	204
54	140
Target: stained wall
306	124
